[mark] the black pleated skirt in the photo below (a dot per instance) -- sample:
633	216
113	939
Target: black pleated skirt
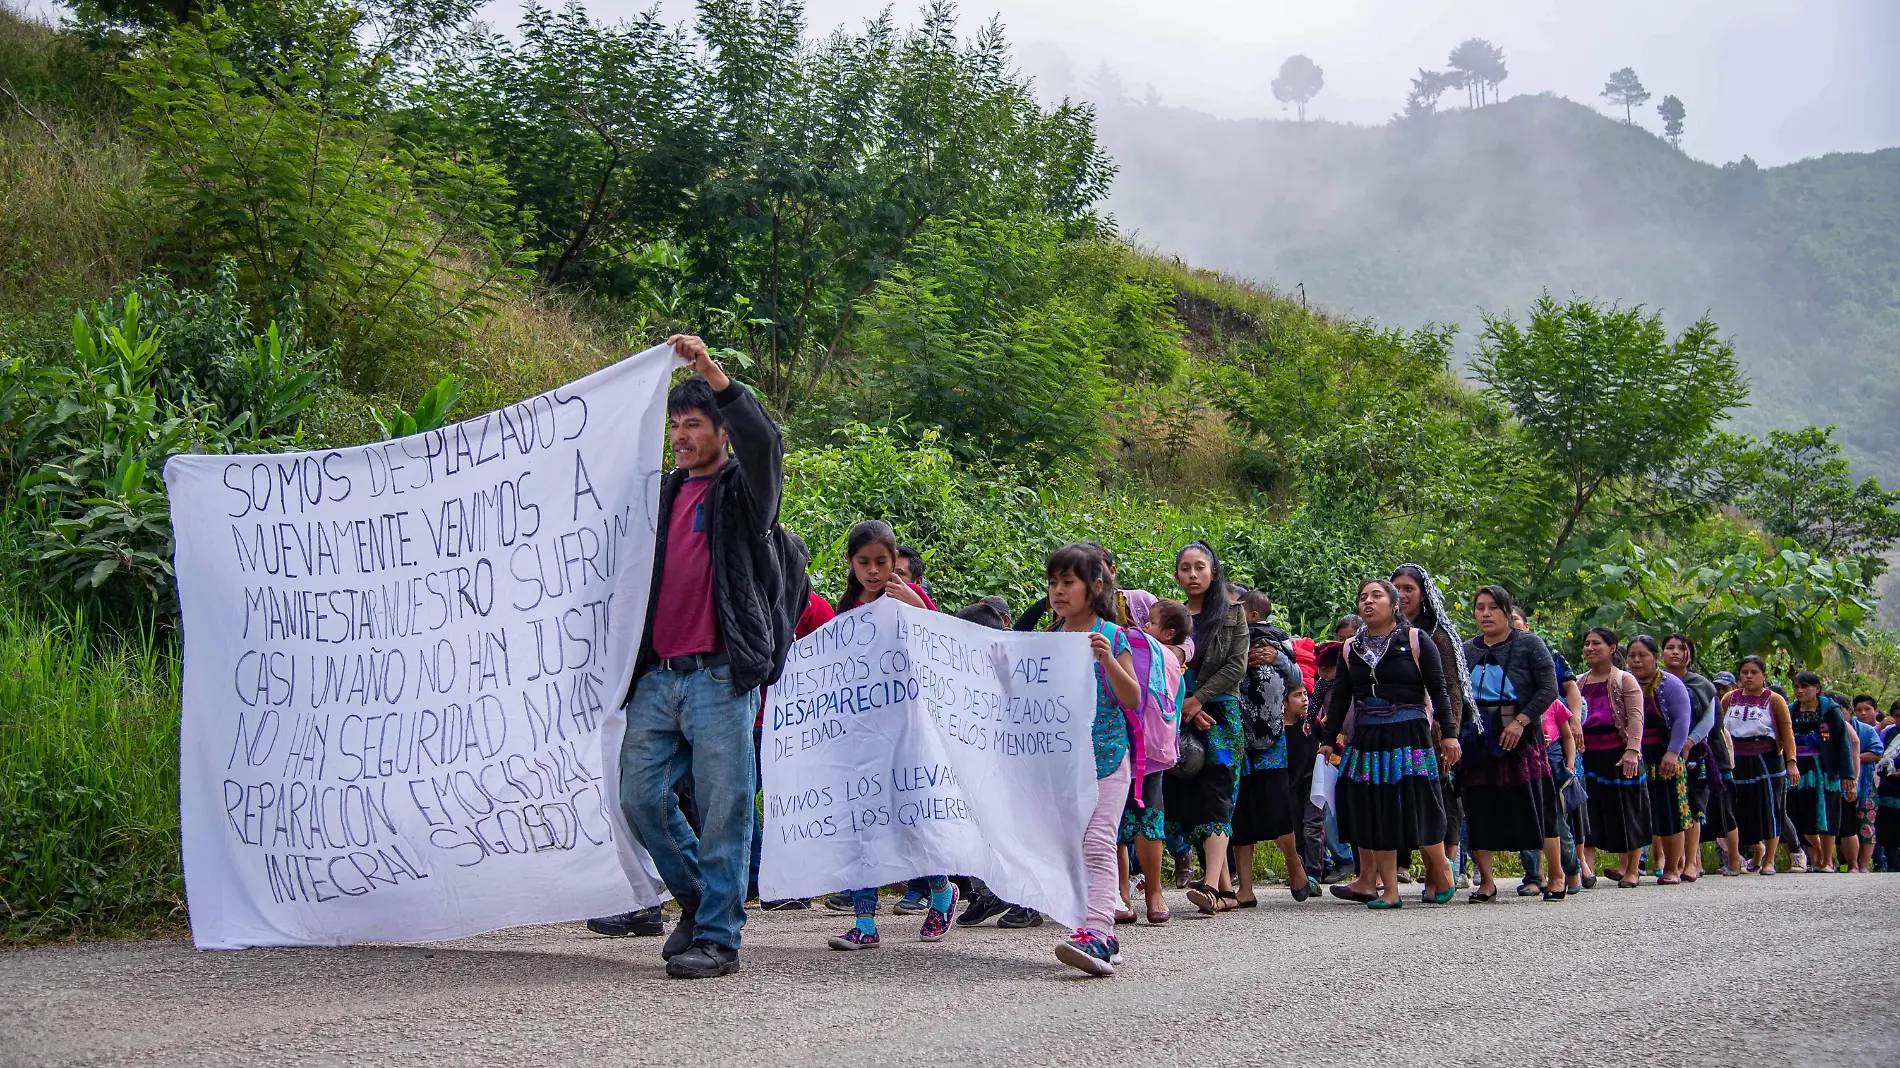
1503	819
1619	807
1263	809
1388	794
1752	790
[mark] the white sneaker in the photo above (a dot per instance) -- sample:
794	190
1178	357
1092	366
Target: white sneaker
1797	861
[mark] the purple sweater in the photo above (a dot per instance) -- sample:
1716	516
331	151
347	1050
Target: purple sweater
1667	712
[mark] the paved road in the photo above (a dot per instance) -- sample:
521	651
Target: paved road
1793	970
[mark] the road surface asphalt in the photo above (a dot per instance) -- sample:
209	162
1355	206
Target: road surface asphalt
1789	970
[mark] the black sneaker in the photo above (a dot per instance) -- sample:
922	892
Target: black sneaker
841	903
1018	917
703	960
682	937
982	906
788	905
641	922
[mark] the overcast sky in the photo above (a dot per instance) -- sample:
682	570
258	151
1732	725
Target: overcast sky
1774	79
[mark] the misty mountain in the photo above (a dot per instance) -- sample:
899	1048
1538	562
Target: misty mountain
1445	217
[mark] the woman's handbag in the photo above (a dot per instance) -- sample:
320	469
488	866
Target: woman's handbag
1191	755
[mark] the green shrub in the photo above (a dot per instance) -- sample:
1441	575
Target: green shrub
83	443
988	528
284	163
88	778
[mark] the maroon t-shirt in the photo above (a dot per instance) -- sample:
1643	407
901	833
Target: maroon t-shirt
684	620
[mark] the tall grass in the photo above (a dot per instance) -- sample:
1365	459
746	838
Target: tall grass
88	778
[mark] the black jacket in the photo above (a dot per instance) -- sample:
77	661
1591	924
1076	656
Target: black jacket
751	572
1527	663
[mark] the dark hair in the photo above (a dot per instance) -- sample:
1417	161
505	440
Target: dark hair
1609	636
1687	641
916	561
1350	619
1255	601
1086	564
1865	699
1747	660
1806	678
695	394
1102	550
1894	709
984	614
1214	602
1427	619
869	532
995	601
1391	591
1500	597
1647	642
1174	617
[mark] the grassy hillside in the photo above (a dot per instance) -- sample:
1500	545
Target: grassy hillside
1465	212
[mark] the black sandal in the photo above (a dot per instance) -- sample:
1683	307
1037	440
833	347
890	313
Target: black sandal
1230	900
1204	898
1554	895
1479	897
1250	903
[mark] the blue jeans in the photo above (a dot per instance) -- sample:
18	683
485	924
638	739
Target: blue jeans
691	723
864	899
1534	858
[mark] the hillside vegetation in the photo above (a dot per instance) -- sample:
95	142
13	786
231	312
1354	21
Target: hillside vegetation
1440	218
314	223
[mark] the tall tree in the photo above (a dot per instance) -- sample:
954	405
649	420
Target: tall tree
1106	88
1610	407
1803	489
1300	80
1672	112
1625	88
1426	89
1478	64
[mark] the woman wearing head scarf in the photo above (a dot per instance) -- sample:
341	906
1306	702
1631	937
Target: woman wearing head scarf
1422	605
1201	805
1378	721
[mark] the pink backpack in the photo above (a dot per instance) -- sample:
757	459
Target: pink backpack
1160	678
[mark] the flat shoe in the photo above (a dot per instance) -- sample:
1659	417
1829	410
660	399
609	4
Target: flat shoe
1158	918
1247	904
1382	904
1626	884
1204	899
1124	917
1443	897
1479	897
1345	892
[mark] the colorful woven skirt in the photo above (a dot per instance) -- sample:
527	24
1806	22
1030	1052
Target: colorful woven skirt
1388	793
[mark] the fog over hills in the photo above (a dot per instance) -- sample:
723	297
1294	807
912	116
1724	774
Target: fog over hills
1448	216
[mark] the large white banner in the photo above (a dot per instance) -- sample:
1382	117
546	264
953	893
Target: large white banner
403	663
902	742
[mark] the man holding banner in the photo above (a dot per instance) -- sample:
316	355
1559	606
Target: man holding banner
717	628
